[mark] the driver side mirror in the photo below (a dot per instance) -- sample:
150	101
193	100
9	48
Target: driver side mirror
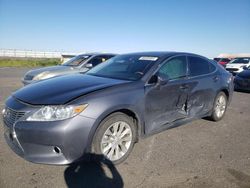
89	65
159	79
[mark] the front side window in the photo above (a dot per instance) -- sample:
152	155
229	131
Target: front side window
175	68
198	66
124	67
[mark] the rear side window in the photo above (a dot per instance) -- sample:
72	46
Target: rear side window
199	66
175	68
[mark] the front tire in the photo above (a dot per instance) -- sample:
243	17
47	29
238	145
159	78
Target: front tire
219	107
115	137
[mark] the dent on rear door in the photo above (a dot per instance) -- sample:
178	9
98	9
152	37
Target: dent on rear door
200	99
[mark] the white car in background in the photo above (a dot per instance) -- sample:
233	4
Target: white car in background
237	65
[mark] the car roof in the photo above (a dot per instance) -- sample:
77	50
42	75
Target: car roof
96	53
161	53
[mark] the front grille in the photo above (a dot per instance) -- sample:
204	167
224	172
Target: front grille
232	69
28	77
11	116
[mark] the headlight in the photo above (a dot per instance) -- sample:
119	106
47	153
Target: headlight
43	75
54	113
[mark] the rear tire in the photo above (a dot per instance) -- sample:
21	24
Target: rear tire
219	107
114	138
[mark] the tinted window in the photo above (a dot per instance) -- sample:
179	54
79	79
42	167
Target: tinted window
212	67
125	67
198	66
175	68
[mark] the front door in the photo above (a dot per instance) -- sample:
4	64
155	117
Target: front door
167	103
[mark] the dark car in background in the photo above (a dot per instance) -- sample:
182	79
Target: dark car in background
112	106
222	61
242	80
79	64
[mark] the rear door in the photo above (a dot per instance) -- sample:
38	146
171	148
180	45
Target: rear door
204	82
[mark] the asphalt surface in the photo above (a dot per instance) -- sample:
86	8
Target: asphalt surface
198	154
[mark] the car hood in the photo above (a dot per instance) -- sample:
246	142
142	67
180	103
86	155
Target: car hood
60	90
245	74
52	69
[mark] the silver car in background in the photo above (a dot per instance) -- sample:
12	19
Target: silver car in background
79	64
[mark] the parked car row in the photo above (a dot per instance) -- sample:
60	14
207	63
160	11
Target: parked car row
235	65
109	108
239	67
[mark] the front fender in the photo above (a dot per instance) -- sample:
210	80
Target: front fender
118	108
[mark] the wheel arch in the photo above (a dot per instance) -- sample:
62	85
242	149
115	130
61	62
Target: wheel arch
224	90
125	110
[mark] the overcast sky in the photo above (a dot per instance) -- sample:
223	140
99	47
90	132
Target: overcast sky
207	27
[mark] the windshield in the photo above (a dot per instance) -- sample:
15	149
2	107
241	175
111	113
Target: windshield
124	67
240	61
75	61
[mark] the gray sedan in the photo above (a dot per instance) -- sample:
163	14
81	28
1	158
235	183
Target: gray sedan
79	64
105	111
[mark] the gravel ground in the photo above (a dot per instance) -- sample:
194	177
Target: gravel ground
198	154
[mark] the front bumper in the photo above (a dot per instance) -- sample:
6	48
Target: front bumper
36	141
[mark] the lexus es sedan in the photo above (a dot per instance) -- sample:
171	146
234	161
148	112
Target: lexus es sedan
79	64
112	106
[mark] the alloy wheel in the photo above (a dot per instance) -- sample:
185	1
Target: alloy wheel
116	140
